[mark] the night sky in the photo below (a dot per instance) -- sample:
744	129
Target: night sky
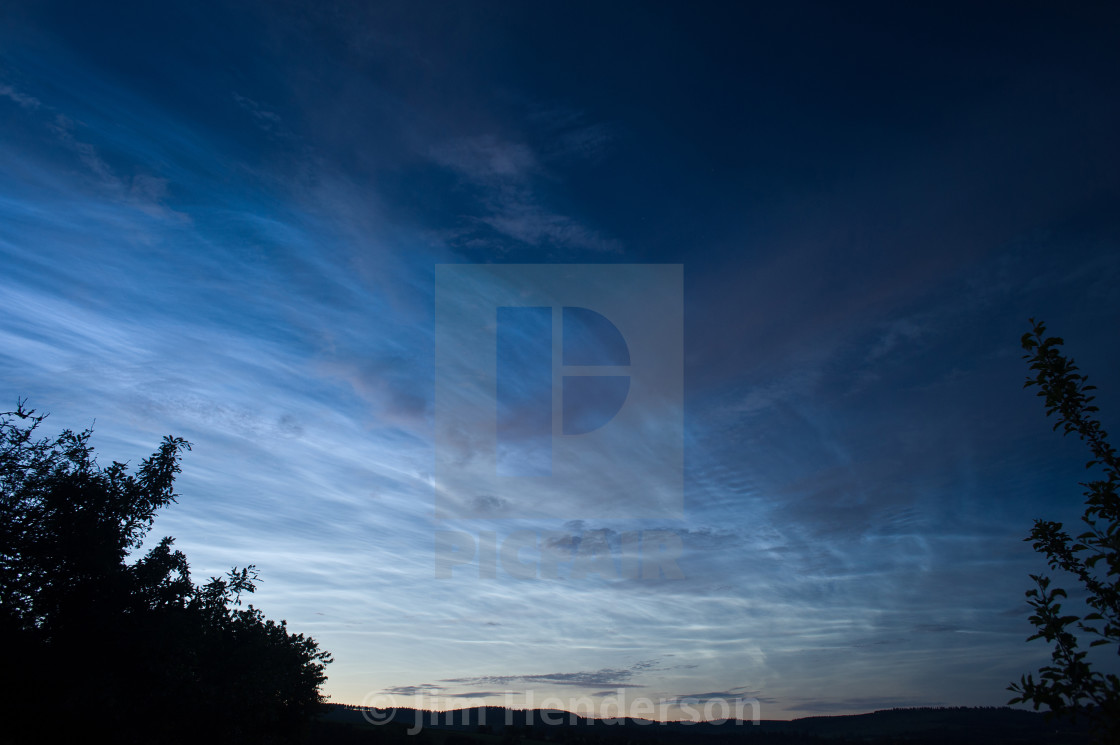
224	223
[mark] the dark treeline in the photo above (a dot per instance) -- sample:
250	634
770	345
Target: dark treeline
913	726
102	647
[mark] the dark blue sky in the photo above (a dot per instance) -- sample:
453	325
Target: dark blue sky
224	222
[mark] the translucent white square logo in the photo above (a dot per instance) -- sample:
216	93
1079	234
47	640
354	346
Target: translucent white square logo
559	391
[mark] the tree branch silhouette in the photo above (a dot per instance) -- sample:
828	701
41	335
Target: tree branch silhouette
1069	686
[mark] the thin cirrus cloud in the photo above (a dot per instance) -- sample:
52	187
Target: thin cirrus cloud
503	172
588	679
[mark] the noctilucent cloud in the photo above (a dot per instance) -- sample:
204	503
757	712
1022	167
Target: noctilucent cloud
224	223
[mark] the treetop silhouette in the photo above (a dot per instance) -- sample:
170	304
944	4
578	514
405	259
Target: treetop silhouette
135	651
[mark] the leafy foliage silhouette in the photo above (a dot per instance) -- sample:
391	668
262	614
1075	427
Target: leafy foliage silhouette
1069	685
135	652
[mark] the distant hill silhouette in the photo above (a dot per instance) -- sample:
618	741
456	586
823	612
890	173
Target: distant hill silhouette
917	726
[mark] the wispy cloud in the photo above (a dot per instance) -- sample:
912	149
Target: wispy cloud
138	189
486	160
268	121
418	690
503	171
607	677
24	100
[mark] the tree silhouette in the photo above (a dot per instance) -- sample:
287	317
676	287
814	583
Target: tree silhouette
1069	685
131	651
